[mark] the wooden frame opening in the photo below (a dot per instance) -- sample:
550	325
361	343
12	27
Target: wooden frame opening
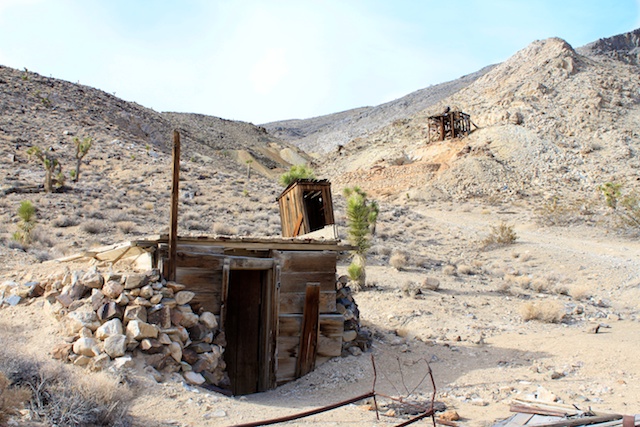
250	324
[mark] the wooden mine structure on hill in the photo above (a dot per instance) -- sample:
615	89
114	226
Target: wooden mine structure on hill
449	125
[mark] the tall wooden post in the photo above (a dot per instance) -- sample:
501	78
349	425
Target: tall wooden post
173	216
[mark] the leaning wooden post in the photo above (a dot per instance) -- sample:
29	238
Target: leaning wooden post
173	216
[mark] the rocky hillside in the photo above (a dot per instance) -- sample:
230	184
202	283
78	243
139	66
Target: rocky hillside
325	133
48	112
552	122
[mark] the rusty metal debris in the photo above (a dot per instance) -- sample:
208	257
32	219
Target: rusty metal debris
424	412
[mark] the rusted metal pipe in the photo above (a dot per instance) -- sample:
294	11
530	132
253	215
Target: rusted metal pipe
307	413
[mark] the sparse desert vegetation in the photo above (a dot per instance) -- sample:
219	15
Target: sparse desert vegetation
491	257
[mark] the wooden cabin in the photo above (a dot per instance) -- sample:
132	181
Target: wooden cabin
275	299
305	207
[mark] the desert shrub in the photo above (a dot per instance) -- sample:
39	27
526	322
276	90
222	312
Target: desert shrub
95	214
224	229
449	270
626	207
42	237
11	399
500	235
465	269
548	311
540	285
126	227
64	221
94	227
398	260
580	292
57	397
562	211
295	173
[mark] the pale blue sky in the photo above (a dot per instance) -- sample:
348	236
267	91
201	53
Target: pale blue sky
265	60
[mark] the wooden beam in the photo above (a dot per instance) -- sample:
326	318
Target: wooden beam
310	327
173	216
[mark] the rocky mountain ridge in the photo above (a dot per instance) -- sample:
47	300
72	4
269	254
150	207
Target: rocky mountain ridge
551	121
324	133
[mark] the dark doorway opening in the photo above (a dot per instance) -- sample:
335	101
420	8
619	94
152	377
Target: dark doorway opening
314	208
244	330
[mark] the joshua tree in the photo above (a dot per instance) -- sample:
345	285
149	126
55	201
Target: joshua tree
53	170
362	215
82	148
27	215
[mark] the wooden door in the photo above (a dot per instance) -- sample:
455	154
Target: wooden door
243	329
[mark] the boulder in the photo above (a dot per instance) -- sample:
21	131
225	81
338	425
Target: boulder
92	279
62	351
97	299
108	311
78	319
175	287
164	339
151	345
176	351
100	362
184	297
159	315
135	281
140	330
146	292
133	312
112	289
194	378
36	289
189	320
115	345
206	362
123	362
198	331
209	320
156	299
112	327
86	347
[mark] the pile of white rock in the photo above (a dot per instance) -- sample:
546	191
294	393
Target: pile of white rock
125	320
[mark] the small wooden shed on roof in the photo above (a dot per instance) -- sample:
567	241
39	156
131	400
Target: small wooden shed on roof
305	206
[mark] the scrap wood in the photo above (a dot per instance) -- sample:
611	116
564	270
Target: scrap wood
582	421
530	406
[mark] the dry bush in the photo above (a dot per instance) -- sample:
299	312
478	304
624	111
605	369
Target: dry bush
465	269
500	235
64	221
411	289
60	398
224	229
540	285
11	398
548	311
398	260
580	292
149	206
126	227
94	227
561	211
449	270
